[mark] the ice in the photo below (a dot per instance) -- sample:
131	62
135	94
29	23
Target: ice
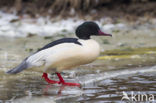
91	78
12	25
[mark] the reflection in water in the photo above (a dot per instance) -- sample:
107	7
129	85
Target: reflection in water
111	90
32	88
49	86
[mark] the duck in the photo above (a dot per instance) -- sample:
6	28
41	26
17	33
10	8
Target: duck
65	53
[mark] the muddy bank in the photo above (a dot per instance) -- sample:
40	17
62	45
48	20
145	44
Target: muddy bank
129	9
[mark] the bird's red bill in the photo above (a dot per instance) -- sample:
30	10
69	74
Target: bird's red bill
103	34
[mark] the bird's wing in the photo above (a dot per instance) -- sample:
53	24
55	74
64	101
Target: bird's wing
53	54
40	57
53	48
60	41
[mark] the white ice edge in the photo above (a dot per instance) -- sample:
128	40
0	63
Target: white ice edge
44	26
90	78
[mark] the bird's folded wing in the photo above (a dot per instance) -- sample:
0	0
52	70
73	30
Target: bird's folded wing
51	54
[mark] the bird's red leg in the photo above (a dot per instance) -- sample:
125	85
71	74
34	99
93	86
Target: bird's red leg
45	76
66	83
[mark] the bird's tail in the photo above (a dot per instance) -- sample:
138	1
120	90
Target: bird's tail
19	68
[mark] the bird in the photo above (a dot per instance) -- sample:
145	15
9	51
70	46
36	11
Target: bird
65	53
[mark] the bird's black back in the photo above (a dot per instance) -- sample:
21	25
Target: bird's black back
64	40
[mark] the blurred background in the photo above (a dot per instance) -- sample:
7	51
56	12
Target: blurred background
126	63
69	8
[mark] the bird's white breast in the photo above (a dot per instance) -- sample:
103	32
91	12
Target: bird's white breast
91	49
77	55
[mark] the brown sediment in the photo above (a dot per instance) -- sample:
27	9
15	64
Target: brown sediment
129	9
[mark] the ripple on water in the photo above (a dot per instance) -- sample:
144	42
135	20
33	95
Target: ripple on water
110	90
107	90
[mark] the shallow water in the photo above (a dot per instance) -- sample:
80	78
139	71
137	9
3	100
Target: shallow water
102	81
111	90
96	88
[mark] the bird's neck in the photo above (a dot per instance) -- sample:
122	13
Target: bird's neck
88	42
85	37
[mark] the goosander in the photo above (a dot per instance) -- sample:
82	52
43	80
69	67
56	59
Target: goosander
65	53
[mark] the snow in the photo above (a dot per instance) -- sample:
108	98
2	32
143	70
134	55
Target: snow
12	25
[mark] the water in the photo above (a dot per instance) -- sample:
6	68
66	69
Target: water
103	81
33	89
111	90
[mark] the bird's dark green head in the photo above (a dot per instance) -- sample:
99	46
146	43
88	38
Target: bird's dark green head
89	28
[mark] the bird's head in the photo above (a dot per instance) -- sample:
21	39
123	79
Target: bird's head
89	28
